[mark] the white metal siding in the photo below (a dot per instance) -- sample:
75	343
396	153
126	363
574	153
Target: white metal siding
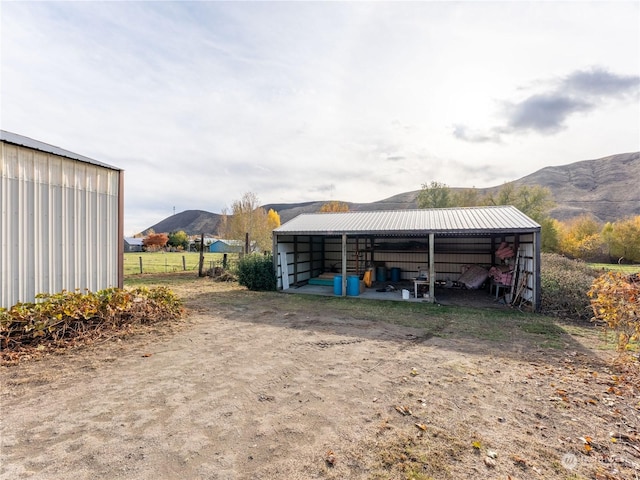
59	225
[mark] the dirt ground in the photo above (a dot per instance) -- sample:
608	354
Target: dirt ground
269	386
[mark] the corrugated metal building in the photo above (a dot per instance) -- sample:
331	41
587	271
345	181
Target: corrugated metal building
442	241
62	221
226	246
132	244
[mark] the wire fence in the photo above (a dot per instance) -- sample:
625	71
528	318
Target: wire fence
136	263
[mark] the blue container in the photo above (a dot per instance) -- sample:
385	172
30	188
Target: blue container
381	274
337	285
353	285
395	274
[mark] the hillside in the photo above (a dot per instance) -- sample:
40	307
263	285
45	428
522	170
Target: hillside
193	222
606	188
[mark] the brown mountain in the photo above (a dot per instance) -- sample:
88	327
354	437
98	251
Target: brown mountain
608	188
192	222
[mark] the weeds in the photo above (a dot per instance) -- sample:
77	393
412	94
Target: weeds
56	319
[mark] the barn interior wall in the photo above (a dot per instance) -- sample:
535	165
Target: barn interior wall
305	257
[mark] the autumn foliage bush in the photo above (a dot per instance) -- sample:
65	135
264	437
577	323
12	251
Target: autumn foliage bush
64	316
615	299
565	284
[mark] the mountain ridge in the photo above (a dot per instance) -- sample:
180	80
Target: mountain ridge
606	188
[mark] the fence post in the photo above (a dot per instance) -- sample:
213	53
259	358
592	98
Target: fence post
201	263
224	261
184	264
140	264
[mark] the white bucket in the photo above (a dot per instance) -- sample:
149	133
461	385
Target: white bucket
405	294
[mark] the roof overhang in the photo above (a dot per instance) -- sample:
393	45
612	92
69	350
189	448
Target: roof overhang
442	222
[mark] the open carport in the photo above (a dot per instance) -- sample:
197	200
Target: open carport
495	248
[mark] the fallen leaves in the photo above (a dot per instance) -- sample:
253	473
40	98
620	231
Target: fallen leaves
520	461
586	444
403	410
330	458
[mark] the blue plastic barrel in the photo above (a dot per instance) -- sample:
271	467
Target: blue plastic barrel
381	274
395	274
353	285
337	285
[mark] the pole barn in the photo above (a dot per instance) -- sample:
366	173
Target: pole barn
431	249
62	221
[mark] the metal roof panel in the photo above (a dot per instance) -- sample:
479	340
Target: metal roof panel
22	141
437	220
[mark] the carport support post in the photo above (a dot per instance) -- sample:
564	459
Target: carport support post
537	294
275	257
344	264
432	268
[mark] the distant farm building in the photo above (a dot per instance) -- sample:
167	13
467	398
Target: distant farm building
226	246
62	221
132	244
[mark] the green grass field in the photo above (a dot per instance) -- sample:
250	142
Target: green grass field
613	267
171	262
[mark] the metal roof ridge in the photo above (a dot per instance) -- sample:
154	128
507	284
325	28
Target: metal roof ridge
28	142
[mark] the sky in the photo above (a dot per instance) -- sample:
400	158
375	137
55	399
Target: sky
201	102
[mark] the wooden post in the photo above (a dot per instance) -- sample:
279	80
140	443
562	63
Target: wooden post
246	243
224	261
140	264
201	263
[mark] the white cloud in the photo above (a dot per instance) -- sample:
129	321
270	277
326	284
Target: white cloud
202	101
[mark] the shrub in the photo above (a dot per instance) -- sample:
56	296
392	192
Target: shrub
65	316
564	286
256	272
615	299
